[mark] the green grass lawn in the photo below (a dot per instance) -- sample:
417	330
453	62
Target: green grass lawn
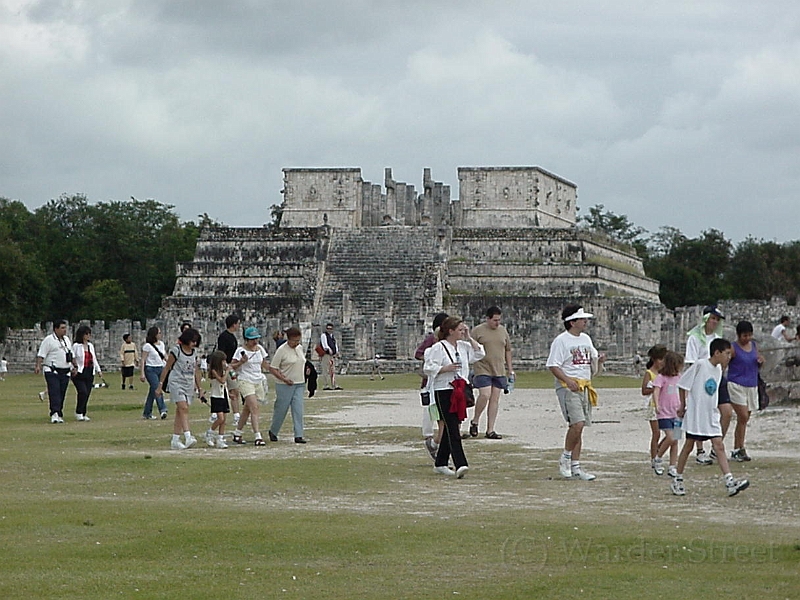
105	510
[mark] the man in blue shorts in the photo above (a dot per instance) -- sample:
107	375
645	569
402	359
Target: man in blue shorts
490	372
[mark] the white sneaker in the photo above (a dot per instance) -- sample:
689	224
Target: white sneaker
443	470
54	418
672	471
658	466
221	442
564	467
177	445
60	418
677	486
703	459
211	438
190	441
583	475
461	471
736	486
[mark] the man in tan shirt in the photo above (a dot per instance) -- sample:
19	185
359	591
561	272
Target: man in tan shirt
128	358
491	372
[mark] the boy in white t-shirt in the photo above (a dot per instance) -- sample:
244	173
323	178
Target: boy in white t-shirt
699	389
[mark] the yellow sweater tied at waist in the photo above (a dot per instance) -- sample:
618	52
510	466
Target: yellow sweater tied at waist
585	384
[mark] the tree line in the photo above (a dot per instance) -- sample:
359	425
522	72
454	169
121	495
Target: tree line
116	260
708	268
75	260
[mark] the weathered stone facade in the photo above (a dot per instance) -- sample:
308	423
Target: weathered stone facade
378	263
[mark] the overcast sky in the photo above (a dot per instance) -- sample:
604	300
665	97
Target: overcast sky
681	113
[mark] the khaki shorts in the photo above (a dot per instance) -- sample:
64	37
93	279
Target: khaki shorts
233	384
743	396
247	388
575	406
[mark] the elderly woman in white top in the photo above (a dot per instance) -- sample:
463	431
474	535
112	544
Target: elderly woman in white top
87	366
445	361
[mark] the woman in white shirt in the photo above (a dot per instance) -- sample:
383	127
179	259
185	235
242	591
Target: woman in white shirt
154	358
87	367
445	361
288	367
250	360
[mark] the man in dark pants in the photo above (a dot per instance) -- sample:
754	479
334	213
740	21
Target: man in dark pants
56	360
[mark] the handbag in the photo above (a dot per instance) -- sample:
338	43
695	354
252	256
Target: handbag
469	391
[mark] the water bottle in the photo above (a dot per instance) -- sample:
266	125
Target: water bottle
510	384
677	429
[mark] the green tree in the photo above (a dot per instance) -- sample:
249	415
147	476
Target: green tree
105	299
617	227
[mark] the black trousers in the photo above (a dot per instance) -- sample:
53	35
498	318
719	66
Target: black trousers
451	440
57	384
84	383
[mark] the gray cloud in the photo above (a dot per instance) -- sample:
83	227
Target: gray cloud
674	113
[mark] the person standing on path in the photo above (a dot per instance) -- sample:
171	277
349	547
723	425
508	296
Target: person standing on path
327	361
573	360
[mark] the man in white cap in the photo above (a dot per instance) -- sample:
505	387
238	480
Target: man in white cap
573	360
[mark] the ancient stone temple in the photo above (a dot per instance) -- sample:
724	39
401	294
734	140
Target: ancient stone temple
379	260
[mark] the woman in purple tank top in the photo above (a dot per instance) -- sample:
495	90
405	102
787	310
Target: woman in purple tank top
743	384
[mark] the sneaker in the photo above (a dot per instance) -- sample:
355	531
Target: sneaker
703	459
272	436
79	417
236	419
211	438
85	418
461	472
221	442
190	441
677	486
740	455
54	418
564	467
583	475
60	418
163	415
431	447
672	471
443	470
130	387
212	417
736	485
123	386
658	466
177	445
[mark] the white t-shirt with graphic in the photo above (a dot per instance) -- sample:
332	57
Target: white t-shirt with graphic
701	380
573	354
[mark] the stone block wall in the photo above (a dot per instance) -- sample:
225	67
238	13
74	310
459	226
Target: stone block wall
514	197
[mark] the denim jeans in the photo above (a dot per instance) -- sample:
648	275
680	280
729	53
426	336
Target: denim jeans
153	374
288	396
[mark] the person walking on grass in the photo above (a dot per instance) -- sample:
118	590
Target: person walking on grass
698	388
668	401
128	358
87	366
430	414
183	369
154	359
697	347
492	372
218	373
655	362
743	385
573	360
56	361
288	366
227	343
250	361
447	367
